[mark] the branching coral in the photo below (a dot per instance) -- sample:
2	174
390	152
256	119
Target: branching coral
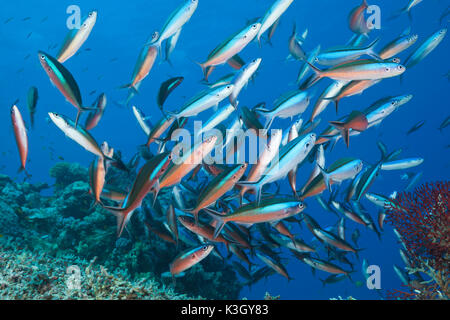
423	222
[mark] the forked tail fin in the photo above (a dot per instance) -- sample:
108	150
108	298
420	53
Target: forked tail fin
122	218
252	186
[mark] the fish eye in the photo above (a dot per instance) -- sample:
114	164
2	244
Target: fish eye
316	59
307	145
400	67
254	26
170	157
245	37
90	14
42	57
387	69
205	248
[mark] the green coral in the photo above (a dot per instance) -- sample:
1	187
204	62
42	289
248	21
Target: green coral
66	173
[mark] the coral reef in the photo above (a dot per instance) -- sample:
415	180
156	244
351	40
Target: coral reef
66	224
65	173
422	220
26	275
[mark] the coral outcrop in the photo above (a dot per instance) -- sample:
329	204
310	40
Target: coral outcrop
27	275
66	224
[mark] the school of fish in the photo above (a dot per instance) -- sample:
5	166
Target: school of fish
244	206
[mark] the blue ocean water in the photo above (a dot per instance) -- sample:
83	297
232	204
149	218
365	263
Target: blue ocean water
116	40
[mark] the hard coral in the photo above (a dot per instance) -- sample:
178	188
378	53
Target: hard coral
25	275
65	173
64	223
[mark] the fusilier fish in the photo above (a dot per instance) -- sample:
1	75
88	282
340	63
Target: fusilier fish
159	129
287	106
402	164
397	46
204	230
407	9
272	15
217	188
170	46
76	37
97	173
357	20
319	163
221	115
325	98
189	258
358	70
182	166
356	121
230	47
144	64
267	155
32	99
290	156
333	57
242	78
166	89
176	21
267	211
20	133
425	48
352	88
94	116
203	101
444	124
343	169
147	180
64	81
143	121
77	134
321	264
295	47
305	68
274	264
